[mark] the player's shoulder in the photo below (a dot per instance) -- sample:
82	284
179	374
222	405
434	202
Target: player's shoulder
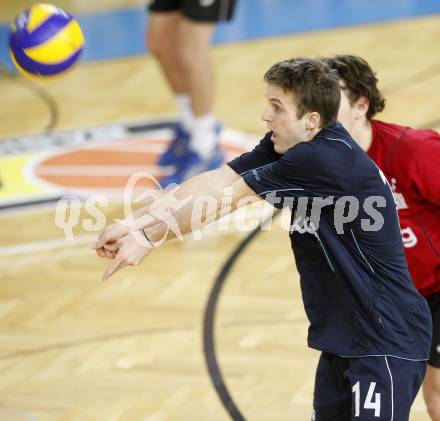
334	143
418	145
408	148
421	140
408	138
330	151
382	128
335	135
300	152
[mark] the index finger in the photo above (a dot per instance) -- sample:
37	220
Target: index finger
114	266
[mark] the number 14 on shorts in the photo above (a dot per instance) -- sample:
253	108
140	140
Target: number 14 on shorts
372	399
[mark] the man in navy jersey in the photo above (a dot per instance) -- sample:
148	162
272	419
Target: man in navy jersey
409	159
367	318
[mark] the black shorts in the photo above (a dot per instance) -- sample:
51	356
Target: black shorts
366	388
434	306
199	10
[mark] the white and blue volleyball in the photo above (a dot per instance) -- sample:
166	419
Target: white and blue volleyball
44	41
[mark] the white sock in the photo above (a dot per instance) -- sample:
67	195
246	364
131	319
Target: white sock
184	105
204	136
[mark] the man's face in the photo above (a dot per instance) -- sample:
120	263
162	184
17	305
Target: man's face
350	113
281	118
346	114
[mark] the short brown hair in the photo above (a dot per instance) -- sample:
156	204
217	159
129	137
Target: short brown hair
360	81
314	84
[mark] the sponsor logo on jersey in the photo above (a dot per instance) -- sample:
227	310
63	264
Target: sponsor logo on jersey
398	197
303	225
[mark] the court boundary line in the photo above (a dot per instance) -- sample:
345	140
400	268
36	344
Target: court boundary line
209	349
46	245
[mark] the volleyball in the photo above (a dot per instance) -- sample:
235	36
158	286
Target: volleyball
45	41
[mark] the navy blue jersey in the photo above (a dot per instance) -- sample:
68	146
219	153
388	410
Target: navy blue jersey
345	235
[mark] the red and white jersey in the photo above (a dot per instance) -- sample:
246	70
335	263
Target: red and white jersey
410	160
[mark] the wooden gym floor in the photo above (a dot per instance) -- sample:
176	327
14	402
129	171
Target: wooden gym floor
73	348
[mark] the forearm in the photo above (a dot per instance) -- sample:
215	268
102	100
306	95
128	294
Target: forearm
199	210
173	213
201	201
140	217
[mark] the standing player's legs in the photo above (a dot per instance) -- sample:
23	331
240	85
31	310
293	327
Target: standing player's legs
202	152
162	40
164	22
366	388
431	384
194	54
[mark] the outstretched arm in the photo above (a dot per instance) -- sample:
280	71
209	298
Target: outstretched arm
197	203
156	207
177	213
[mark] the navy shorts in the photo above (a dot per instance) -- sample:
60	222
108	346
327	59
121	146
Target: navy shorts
434	306
365	388
199	10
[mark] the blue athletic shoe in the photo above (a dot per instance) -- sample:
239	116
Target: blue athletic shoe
192	164
176	149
